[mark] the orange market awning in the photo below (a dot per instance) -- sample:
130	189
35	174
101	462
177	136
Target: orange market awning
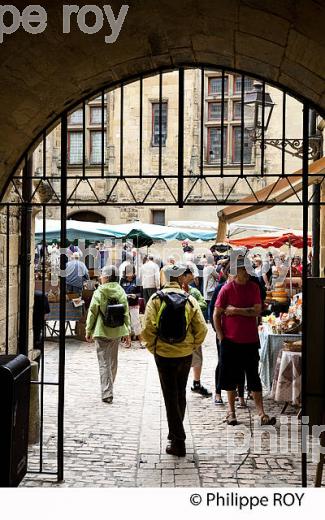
274	240
279	191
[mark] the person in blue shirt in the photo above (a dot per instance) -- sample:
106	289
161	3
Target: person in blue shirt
76	273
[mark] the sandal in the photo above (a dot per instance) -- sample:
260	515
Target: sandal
266	420
231	419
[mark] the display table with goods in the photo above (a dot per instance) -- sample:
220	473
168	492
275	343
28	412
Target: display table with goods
286	386
73	313
274	331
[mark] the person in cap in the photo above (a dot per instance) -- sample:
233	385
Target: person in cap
108	322
76	274
235	319
173	328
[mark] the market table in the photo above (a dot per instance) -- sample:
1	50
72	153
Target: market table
72	314
286	385
271	344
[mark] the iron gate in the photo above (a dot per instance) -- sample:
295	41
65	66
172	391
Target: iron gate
183	184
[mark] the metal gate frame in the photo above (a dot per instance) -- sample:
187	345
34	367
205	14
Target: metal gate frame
26	203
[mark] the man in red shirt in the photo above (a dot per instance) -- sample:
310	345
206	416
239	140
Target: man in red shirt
235	318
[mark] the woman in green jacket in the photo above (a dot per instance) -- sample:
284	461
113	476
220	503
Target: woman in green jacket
107	338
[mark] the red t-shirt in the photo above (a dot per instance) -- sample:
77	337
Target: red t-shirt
240	329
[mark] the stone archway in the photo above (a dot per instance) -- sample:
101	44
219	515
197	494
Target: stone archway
280	41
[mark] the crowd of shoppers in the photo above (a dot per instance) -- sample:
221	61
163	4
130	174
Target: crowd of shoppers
174	327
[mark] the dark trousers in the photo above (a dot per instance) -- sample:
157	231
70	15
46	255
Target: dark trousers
147	293
241	382
173	375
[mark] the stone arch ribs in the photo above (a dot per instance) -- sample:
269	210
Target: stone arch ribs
280	41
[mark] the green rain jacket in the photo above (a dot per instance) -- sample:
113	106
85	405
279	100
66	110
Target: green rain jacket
95	326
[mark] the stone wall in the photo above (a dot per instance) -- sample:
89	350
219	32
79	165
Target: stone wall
13	302
282	41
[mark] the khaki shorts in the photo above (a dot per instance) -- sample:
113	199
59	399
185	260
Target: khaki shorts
197	358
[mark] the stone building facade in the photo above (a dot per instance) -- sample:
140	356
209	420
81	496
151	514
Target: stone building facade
162	214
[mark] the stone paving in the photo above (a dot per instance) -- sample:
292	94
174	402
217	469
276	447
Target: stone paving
123	444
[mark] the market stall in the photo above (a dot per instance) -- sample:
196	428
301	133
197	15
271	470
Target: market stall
280	330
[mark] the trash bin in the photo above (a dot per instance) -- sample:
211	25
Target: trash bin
15	374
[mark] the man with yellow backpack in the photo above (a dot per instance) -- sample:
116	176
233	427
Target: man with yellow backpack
174	327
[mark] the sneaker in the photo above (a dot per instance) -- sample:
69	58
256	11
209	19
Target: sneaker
219	402
201	390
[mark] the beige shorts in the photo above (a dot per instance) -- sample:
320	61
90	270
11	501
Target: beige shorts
197	358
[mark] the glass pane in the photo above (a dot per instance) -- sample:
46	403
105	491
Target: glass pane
248	84
237	110
76	117
248	146
96	147
215	111
214	142
96	115
156	126
215	86
75	147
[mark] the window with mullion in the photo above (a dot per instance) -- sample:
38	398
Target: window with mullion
214	144
156	124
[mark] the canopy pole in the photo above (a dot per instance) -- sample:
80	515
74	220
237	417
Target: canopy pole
290	259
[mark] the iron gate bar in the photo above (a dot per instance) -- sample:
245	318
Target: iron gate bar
44	155
167	176
222	123
75	189
251	189
42	361
103	133
63	263
223	201
202	85
305	168
122	131
45	383
160	123
84	139
180	138
25	258
284	111
263	131
242	127
141	128
7	276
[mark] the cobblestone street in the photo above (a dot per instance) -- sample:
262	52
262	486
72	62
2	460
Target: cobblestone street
123	444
